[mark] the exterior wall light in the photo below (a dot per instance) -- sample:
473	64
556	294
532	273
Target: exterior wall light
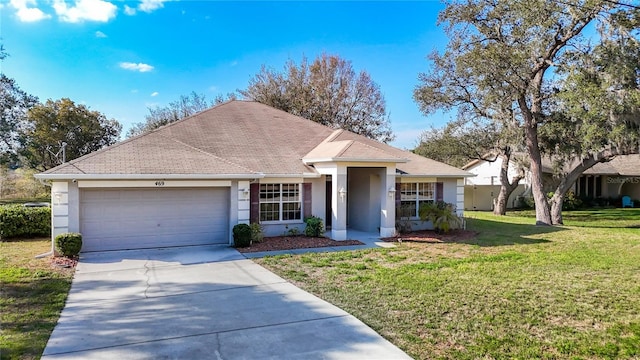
57	196
343	193
392	192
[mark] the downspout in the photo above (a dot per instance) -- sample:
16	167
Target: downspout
52	251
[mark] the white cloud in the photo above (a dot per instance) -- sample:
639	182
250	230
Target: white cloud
136	67
26	13
151	5
91	10
129	10
155	93
134	91
100	34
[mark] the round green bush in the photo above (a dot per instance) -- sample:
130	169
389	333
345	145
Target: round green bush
241	235
69	244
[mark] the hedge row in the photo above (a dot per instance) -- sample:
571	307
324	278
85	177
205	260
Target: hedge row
17	220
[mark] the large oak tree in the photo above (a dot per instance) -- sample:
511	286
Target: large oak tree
504	62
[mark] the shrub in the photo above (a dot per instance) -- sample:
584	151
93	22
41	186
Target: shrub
571	202
404	214
68	244
257	234
315	227
242	235
17	220
441	214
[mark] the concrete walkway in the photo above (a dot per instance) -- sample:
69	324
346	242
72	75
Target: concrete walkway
203	302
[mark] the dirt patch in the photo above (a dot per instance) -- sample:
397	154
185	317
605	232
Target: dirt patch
295	242
430	236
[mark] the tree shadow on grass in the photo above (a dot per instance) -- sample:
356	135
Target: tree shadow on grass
498	233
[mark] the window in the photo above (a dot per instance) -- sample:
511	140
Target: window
412	195
280	202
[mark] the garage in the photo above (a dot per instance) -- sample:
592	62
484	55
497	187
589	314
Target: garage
119	219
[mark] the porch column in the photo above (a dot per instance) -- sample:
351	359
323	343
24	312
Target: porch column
339	203
388	203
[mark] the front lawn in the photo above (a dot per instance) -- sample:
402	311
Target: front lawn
515	291
32	294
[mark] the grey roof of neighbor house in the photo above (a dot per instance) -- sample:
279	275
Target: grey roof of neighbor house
242	138
623	165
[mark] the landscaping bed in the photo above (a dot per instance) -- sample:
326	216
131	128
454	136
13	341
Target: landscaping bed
295	242
430	236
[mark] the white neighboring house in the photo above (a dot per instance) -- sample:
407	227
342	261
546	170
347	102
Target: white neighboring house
611	180
482	189
190	182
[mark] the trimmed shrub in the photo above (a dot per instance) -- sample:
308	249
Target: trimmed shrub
257	234
241	235
441	214
17	220
68	244
315	227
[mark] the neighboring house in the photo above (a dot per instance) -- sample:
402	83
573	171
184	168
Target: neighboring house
190	182
613	179
484	187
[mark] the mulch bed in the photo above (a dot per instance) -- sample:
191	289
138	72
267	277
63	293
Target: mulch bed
430	236
295	242
64	262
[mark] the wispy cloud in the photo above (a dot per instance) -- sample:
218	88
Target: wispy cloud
81	10
145	6
151	5
141	67
25	13
100	34
129	10
155	93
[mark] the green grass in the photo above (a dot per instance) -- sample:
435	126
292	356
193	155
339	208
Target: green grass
515	291
32	294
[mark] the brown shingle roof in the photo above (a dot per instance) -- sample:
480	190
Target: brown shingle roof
240	138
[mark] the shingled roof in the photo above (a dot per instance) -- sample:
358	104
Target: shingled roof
241	139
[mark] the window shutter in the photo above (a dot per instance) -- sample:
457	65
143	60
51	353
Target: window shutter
398	195
254	199
306	197
439	191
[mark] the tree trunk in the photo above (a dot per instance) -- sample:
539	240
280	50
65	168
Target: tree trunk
569	179
506	187
556	208
543	215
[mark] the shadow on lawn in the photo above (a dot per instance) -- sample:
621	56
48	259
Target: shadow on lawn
498	233
597	218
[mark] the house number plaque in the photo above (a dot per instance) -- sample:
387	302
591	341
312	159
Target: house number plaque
160	183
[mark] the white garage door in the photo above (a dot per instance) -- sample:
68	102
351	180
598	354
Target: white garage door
116	219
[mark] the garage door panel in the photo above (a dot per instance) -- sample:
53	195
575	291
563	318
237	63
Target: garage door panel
113	219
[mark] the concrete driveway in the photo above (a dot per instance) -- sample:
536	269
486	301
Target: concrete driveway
204	302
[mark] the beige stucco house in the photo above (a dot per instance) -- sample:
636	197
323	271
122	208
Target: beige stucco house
190	182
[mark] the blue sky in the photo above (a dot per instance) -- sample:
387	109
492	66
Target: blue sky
121	57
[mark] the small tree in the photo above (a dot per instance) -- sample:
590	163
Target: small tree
52	125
